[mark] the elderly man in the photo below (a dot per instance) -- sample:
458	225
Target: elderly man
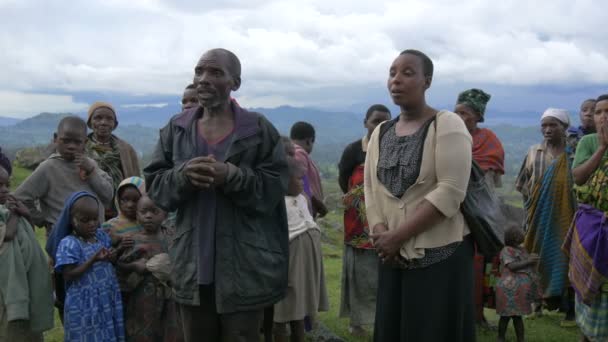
224	170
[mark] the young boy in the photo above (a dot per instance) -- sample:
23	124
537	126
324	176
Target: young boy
189	99
63	173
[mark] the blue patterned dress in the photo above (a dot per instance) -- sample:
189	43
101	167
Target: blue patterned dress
93	306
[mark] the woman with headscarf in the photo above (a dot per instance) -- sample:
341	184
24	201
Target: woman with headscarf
546	183
114	155
587	241
487	148
417	169
489	154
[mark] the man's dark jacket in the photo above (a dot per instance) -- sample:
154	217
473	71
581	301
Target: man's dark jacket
251	237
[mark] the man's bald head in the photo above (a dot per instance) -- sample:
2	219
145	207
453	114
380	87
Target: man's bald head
233	62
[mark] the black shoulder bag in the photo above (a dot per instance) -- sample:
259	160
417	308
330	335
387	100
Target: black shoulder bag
482	211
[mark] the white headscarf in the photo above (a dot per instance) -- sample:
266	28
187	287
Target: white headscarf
560	114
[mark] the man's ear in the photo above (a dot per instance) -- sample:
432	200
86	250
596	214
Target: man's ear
237	83
55	137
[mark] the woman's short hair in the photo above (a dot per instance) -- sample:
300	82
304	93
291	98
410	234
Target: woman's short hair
427	63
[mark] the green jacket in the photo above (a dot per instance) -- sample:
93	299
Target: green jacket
26	291
251	237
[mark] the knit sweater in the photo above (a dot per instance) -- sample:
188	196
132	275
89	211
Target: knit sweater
54	181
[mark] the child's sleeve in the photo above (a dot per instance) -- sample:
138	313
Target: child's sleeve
34	188
106	227
507	256
584	150
68	253
101	182
104	238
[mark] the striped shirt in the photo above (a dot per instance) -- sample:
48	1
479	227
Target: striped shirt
533	168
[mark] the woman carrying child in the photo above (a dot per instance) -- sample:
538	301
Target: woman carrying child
150	310
586	243
518	286
306	292
93	305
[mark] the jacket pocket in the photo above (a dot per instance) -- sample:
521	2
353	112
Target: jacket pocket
183	264
259	271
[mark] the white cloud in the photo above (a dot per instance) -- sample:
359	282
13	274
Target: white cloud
21	105
293	48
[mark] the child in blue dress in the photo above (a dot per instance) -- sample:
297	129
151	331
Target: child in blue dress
93	306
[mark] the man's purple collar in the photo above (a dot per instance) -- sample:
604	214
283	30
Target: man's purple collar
246	123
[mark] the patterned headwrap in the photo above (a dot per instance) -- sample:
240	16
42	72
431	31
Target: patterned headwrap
136	182
97	105
476	99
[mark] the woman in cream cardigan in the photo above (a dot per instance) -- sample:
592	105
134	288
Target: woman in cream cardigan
416	175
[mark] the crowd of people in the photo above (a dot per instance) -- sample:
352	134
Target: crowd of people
218	238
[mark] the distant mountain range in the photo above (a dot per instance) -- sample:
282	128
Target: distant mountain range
335	130
4	121
156	116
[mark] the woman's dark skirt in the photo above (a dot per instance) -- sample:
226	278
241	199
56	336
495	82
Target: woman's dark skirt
432	304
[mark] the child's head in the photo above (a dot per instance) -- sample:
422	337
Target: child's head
290	150
149	215
84	215
189	99
303	134
4	185
296	172
514	236
70	137
128	194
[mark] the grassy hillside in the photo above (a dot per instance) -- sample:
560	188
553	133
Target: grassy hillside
544	329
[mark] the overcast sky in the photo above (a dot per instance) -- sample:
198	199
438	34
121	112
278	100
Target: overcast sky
320	53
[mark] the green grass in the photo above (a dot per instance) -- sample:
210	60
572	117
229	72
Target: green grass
55	334
18	176
545	328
